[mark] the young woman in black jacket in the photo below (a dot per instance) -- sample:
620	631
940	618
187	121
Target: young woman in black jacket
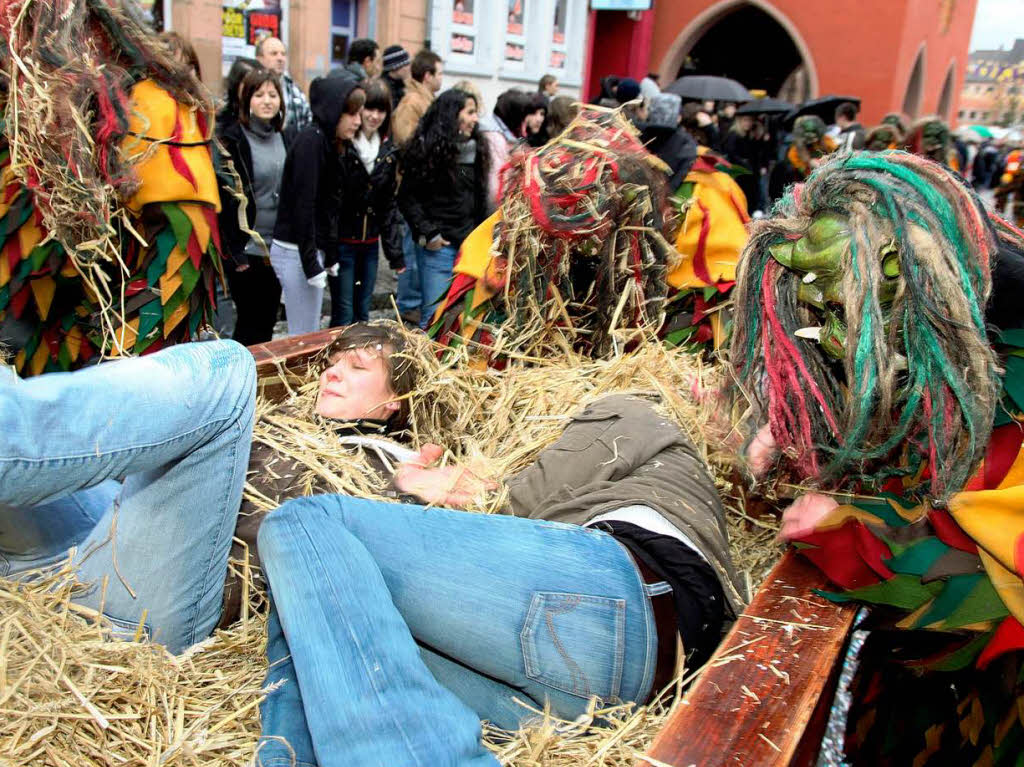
368	209
443	195
256	148
305	245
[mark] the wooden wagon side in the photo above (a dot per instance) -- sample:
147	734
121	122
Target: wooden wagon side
765	697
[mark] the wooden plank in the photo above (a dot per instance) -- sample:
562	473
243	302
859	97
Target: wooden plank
281	363
769	681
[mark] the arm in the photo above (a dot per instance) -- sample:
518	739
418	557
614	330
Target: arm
410	193
391	235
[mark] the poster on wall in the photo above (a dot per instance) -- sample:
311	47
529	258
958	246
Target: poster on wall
244	23
462	12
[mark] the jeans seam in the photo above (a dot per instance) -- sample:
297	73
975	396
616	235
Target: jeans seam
299	520
647	679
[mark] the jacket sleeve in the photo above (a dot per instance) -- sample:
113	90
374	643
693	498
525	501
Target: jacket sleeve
391	235
307	169
410	193
404	121
228	218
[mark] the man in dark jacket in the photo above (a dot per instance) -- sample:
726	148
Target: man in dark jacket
851	133
397	70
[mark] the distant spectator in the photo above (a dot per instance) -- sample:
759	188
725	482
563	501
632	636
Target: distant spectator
535	117
503	130
606	97
397	70
257	150
852	135
272	54
183	51
665	139
561	111
742	150
444	189
649	86
368	186
305	245
698	123
726	117
240	67
468	86
364	59
627	90
427	70
548	86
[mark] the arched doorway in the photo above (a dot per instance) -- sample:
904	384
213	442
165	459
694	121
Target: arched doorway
946	94
915	87
749	41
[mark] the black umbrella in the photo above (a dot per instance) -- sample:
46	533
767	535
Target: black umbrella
708	88
765	107
825	108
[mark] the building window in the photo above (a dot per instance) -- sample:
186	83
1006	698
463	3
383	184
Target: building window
515	35
972	115
343	29
960	115
558	36
462	40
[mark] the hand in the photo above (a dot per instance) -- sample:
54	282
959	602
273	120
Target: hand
318	281
241	267
442	485
400	271
436	243
332	270
804	514
762	451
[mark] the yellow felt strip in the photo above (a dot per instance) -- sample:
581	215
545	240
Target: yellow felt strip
43	289
994	519
176	317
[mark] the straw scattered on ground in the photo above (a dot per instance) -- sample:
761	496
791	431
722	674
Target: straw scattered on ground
69	696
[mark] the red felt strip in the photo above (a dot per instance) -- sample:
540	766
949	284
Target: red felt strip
949	532
211	220
850	556
1008	636
700	264
1003	449
194	253
178	159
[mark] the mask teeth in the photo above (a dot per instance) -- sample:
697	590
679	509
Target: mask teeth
812	333
809	278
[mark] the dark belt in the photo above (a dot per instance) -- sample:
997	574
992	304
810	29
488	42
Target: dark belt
664	611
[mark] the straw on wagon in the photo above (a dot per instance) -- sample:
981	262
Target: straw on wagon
70	696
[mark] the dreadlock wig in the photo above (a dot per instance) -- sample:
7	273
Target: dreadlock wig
860	322
577	254
109	212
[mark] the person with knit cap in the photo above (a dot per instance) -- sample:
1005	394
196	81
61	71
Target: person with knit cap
397	70
627	90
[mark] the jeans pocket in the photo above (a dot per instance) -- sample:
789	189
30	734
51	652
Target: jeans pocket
575	643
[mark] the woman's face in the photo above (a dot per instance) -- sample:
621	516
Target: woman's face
356	386
468	117
372	120
265	102
534	121
348	125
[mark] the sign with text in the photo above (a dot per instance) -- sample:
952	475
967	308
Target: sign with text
244	23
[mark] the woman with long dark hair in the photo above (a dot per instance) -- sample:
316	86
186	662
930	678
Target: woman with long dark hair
305	245
368	186
444	189
228	114
257	150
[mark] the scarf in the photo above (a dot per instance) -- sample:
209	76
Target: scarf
260	127
467	151
367	148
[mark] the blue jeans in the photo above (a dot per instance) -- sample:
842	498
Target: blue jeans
435	268
396	628
409	297
352	289
138	461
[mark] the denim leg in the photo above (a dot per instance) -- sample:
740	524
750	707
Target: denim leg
281	711
409	296
177	426
435	277
366	278
555	611
366	694
343	287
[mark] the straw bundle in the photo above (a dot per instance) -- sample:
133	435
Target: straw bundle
69	697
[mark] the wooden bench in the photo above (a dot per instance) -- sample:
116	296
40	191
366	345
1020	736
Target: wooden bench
765	697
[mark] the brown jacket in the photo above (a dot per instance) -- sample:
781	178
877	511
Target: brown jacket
410	110
620	452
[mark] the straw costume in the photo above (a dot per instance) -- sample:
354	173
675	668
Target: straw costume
579	256
871	341
108	218
714	231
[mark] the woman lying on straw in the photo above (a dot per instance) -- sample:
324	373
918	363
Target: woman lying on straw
395	628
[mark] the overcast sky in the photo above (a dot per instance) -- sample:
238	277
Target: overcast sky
997	22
